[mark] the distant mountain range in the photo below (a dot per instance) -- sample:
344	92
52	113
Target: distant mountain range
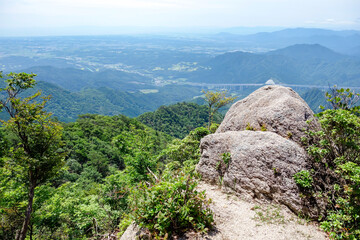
304	64
340	41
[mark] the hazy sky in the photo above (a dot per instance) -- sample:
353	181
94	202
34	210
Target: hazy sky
57	14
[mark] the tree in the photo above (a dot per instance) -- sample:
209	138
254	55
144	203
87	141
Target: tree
215	101
37	157
346	99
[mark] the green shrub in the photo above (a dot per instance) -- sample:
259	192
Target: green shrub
170	206
335	149
303	179
214	127
184	150
343	222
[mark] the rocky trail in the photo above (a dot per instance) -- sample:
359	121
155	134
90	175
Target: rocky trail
238	219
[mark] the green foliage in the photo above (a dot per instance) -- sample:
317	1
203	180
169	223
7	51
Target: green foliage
343	98
171	205
103	143
67	105
289	134
106	158
249	127
215	101
73	212
37	156
226	157
214	127
343	221
179	119
185	151
338	140
336	151
303	179
12	201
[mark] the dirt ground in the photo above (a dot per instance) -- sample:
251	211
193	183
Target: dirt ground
238	219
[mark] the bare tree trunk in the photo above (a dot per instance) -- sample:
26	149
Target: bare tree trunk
24	228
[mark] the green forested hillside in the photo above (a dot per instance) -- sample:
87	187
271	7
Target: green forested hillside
98	148
104	167
107	157
179	119
66	105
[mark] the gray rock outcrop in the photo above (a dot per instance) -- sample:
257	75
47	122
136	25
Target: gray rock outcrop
278	109
262	166
262	163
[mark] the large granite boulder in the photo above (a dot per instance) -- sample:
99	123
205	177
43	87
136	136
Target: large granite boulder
276	108
261	165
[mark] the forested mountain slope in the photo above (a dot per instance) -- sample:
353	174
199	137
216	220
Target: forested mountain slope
66	105
89	187
179	119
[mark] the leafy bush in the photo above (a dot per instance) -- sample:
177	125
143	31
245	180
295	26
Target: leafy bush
303	179
336	152
214	127
185	150
343	222
338	140
171	205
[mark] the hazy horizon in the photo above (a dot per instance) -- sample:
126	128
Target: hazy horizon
95	17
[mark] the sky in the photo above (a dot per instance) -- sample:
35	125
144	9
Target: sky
31	17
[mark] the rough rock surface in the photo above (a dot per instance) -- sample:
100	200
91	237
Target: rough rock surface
262	166
279	109
134	232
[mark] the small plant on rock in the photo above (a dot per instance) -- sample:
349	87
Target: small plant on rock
226	157
249	127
